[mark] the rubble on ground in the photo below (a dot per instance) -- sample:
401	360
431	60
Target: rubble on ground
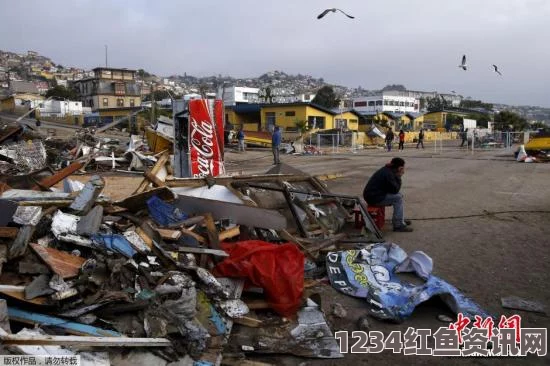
183	270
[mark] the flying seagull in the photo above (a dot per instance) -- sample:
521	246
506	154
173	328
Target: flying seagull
496	70
334	11
463	65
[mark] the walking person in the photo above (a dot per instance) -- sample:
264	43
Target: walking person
240	139
464	136
420	138
383	188
401	140
389	139
275	144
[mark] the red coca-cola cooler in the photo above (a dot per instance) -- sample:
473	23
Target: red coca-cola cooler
198	148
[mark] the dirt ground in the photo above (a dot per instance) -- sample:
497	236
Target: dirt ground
487	257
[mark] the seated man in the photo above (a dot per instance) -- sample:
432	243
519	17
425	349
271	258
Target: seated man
383	188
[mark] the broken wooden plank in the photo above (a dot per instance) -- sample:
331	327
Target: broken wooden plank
238	213
83	341
198	237
230	233
212	232
58	176
298	241
187	222
145	237
326	242
137	242
28	317
154	170
248	321
63	263
168	234
216	252
8	232
18	292
257	304
154	179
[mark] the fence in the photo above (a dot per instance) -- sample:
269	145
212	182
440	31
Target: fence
329	143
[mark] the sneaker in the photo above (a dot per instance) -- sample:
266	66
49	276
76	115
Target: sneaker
403	229
408	222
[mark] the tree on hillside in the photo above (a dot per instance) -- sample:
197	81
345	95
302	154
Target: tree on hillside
475	104
326	97
397	87
507	119
453	122
59	91
482	119
158	94
435	104
143	74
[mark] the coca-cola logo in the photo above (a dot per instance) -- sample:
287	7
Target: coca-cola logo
202	141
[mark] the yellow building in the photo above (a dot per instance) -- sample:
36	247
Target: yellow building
437	120
22	96
261	117
113	93
396	121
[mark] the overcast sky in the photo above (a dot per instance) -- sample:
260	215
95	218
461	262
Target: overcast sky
417	43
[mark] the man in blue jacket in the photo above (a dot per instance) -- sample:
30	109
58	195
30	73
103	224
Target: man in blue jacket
383	189
275	144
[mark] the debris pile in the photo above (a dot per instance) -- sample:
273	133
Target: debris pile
172	267
140	270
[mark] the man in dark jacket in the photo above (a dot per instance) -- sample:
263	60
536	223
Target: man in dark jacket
276	144
389	139
383	189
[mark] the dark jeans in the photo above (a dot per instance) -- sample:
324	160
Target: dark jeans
396	201
275	150
401	145
420	142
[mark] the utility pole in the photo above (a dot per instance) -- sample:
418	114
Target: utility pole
106	64
152	105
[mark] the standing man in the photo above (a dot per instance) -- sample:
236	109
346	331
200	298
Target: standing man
240	138
420	138
382	189
275	144
401	140
464	137
389	138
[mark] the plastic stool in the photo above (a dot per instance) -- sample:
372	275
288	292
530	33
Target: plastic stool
378	214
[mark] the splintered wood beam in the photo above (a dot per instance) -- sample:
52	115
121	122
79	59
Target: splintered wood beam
212	232
84	341
154	170
230	233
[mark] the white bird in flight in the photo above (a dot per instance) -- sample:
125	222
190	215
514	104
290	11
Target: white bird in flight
463	65
496	70
334	11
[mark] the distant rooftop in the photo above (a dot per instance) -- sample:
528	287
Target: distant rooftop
23	87
112	69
